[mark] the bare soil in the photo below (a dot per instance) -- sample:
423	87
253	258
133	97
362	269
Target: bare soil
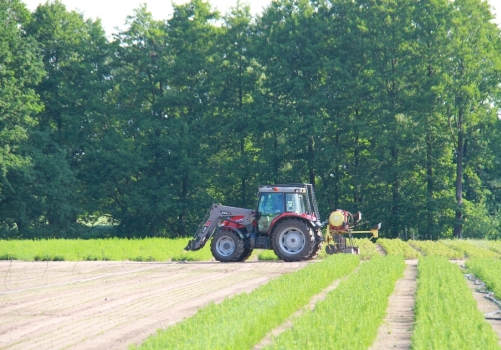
396	331
380	249
109	305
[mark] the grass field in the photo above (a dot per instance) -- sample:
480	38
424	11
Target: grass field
148	249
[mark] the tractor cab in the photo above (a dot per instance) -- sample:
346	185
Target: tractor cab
276	201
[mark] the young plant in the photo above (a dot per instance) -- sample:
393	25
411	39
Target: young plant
446	313
469	249
489	271
367	249
398	247
434	248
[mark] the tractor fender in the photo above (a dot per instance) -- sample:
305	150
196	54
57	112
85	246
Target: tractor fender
234	229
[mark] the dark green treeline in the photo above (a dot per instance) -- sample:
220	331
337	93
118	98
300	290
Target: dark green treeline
388	107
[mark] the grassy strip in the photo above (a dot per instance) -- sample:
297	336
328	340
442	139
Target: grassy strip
366	247
398	247
495	246
489	271
351	314
267	255
242	321
446	313
434	248
469	249
148	249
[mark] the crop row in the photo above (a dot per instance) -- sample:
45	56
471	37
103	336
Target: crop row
495	246
242	321
434	248
446	313
489	271
398	247
148	249
469	249
350	315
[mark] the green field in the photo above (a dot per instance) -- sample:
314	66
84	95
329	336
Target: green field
148	249
351	313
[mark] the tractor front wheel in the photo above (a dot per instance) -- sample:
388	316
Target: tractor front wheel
293	240
227	246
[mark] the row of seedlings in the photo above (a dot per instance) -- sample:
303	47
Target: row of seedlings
489	271
446	314
469	249
435	248
398	247
495	246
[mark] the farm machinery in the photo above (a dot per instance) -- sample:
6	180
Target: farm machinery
286	220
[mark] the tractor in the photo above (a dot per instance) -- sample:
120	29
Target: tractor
286	220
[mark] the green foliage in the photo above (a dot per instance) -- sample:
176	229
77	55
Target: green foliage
495	246
351	314
255	313
445	308
398	247
379	105
489	271
149	249
436	248
267	255
367	249
469	249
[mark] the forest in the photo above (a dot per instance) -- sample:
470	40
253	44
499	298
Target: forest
387	107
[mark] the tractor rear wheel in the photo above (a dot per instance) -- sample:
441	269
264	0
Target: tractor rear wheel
246	254
316	250
227	246
293	240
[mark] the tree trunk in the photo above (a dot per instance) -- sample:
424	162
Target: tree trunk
395	189
429	184
458	224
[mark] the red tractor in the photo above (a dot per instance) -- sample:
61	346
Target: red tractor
286	220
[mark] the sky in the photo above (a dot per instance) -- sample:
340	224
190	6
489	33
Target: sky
114	13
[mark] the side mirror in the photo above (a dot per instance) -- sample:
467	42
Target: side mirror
258	215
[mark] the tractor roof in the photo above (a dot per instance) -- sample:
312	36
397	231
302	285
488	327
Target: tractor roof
295	187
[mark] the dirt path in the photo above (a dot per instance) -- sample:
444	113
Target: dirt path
396	331
109	305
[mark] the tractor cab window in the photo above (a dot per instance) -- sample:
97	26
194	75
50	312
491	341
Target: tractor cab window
271	203
295	203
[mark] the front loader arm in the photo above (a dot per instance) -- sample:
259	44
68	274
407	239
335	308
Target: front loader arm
213	218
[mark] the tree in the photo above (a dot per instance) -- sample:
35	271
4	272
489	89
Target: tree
20	70
74	54
472	85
